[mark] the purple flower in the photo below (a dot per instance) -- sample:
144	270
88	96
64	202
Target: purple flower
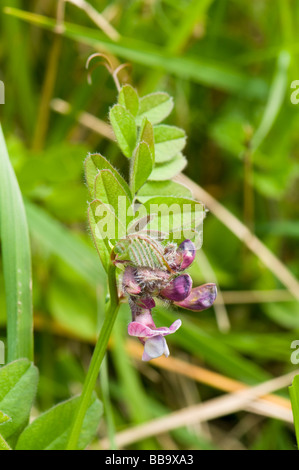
178	288
142	283
200	298
185	254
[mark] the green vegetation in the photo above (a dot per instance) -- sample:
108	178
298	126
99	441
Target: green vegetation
219	74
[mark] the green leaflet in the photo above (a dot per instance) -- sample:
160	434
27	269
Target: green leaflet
124	128
50	430
18	384
128	98
108	190
147	135
168	170
169	140
4	418
155	107
3	444
96	162
107	227
177	218
142	166
162	188
102	245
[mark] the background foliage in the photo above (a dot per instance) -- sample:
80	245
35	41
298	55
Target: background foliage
229	65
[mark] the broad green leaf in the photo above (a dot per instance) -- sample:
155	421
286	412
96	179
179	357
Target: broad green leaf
128	98
168	170
18	384
294	394
96	162
108	190
4	418
155	107
147	136
169	140
162	188
50	430
3	444
16	255
142	166
124	128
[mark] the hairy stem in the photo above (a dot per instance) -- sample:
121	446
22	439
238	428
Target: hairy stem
96	361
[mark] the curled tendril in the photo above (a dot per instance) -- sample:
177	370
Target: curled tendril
106	63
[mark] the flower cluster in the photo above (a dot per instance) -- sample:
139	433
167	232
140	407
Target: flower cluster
143	283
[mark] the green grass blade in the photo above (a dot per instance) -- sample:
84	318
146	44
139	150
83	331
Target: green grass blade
108	409
135	397
64	244
205	72
18	69
294	394
275	100
215	352
16	262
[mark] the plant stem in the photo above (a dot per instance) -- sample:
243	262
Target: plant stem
96	361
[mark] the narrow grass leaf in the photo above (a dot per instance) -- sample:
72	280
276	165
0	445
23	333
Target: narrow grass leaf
275	100
294	394
59	240
216	354
16	261
205	72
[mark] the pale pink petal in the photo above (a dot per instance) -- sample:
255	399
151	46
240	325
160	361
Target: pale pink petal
164	331
138	329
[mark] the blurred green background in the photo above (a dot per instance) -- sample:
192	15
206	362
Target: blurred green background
229	65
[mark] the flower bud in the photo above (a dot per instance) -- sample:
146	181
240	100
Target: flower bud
185	254
129	282
200	298
178	288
